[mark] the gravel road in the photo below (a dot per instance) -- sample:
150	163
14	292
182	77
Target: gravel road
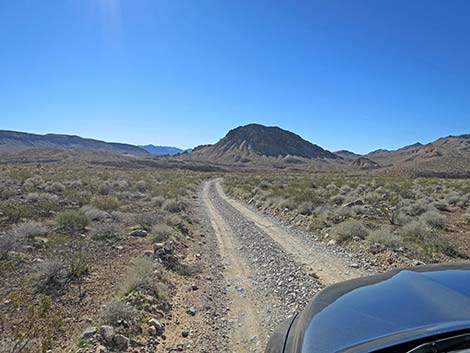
270	271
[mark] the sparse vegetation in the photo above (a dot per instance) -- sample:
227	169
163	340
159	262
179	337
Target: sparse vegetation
72	221
413	214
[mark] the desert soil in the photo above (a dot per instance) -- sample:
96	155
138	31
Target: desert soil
267	271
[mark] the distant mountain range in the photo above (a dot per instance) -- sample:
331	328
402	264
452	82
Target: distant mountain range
256	145
163	150
19	141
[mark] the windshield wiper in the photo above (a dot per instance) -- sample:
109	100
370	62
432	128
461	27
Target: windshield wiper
445	345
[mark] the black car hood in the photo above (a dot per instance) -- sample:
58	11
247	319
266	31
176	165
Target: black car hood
374	312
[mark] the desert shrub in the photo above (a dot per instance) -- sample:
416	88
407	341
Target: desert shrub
358	210
93	213
76	184
385	237
345	189
55	187
72	221
106	203
264	185
51	277
120	184
29	230
116	312
372	197
106	231
7	244
33	182
161	232
35	326
305	208
434	219
466	218
417	208
140	276
453	197
15	211
141	185
338	199
157	201
173	206
415	230
350	229
147	219
441	205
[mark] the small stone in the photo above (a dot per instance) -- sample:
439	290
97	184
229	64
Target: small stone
157	326
354	265
148	253
185	334
107	332
101	349
90	332
194	287
191	311
152	331
121	342
138	233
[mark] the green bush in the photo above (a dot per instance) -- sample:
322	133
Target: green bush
72	221
350	229
29	230
385	237
107	203
434	219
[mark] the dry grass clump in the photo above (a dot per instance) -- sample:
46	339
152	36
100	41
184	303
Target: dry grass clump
106	203
173	206
162	232
72	221
93	213
106	231
386	238
434	219
51	277
306	208
7	244
349	230
29	230
117	312
140	276
157	201
55	187
466	218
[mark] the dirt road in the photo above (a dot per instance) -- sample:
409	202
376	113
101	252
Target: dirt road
270	272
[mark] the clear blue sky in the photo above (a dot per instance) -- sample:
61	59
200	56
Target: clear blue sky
350	74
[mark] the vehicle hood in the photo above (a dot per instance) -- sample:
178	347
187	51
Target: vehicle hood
379	310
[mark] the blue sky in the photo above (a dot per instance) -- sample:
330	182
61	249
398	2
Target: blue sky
352	74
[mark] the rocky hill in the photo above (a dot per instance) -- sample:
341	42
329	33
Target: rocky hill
446	157
256	143
17	141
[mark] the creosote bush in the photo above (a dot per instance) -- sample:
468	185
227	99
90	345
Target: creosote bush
118	311
72	221
348	230
386	238
434	219
29	230
51	277
106	231
161	232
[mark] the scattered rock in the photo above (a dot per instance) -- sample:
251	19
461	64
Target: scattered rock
121	342
101	349
191	311
90	332
185	334
107	333
138	233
